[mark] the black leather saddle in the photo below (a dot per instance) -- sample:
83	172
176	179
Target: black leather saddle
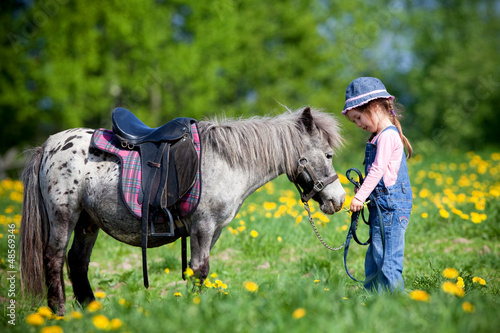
169	165
132	130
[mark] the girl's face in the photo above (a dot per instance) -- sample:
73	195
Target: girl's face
363	120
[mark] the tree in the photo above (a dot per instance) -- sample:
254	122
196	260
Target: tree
454	82
161	60
69	63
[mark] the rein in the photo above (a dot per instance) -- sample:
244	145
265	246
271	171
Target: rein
318	186
351	233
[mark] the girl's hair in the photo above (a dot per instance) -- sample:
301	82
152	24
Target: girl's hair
388	106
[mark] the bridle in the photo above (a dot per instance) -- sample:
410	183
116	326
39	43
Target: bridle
318	184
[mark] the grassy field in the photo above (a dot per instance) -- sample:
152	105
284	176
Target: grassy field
269	273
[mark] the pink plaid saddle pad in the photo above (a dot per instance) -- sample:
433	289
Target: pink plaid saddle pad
130	179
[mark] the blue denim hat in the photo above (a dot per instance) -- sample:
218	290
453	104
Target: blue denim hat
363	90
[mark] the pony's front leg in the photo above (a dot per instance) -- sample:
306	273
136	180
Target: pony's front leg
201	241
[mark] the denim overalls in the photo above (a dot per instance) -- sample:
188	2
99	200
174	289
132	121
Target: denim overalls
395	203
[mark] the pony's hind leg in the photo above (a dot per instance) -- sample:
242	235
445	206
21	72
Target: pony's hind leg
79	257
54	255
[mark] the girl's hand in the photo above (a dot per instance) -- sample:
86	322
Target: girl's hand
356	205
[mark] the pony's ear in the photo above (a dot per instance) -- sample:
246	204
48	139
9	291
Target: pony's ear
307	119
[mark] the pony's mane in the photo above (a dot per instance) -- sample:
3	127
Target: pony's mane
264	140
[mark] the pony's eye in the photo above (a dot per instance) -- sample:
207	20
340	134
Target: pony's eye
329	156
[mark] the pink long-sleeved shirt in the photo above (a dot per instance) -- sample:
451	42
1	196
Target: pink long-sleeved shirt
386	164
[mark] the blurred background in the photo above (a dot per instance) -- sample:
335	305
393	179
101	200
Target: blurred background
68	63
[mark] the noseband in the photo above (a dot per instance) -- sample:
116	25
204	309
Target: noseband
319	184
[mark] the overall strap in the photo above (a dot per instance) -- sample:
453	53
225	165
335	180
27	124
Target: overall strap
385	129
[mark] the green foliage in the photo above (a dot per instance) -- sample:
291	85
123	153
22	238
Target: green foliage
69	63
454	84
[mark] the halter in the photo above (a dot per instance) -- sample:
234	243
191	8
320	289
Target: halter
318	184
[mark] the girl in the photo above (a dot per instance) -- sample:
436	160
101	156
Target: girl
371	107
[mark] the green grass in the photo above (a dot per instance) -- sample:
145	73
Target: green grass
298	272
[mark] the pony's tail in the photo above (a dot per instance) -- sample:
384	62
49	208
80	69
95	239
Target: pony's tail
33	230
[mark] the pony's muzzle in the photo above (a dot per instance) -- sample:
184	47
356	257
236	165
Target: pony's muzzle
332	198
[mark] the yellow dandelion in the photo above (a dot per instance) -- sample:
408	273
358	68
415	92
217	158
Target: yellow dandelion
45	311
52	329
298	313
177	294
115	324
254	233
100	321
468	307
453	289
477	279
480	205
196	300
269	205
35	319
279	239
477	218
75	315
424	193
317	281
298	219
189	272
100	294
207	283
251	286
460	282
233	231
444	213
214	275
343	228
450	273
420	295
123	302
424	215
94	306
167	271
15	196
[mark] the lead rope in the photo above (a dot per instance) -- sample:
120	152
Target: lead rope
306	206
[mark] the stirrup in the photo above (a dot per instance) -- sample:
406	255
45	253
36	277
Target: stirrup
170	225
